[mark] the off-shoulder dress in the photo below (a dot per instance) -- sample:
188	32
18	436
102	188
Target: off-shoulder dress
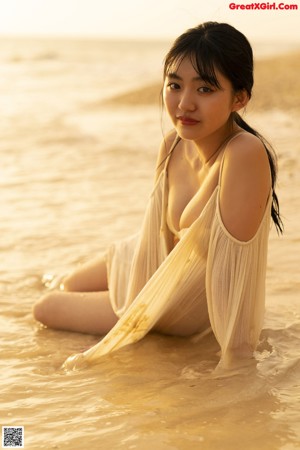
208	280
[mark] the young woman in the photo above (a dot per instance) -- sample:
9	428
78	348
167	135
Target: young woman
199	261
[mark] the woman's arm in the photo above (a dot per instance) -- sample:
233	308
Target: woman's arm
245	186
237	257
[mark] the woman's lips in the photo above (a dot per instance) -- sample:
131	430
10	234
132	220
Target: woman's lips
187	120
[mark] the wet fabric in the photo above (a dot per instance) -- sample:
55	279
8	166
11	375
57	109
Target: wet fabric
209	279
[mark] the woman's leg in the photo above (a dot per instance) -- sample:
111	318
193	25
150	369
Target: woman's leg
83	305
89	277
88	312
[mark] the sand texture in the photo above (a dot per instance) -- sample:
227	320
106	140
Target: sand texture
277	86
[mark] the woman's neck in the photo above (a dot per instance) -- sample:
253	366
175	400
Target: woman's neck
210	148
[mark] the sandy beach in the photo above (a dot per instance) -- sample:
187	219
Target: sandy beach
277	86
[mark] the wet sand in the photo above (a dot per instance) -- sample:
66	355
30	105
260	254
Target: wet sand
276	86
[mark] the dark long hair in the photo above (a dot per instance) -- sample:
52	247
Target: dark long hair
220	46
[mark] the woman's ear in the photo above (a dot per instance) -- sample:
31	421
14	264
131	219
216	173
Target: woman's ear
241	98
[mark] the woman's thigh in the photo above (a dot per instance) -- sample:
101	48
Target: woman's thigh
86	312
88	277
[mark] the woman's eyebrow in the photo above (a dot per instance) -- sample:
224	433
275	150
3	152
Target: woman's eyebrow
175	76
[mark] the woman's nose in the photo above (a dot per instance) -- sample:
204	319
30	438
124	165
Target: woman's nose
187	102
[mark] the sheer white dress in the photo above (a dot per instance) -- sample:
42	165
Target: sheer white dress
209	280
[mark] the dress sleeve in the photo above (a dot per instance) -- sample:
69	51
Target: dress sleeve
235	289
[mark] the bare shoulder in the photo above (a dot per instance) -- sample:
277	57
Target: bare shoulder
244	149
245	185
164	150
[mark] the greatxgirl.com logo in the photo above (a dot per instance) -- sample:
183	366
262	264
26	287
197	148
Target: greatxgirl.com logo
263	6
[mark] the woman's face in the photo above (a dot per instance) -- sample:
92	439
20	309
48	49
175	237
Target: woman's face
197	109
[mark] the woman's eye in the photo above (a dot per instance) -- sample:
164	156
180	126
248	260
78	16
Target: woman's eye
173	86
205	90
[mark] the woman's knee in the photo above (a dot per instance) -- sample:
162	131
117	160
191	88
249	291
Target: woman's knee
44	309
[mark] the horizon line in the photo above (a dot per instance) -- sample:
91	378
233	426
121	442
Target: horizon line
125	38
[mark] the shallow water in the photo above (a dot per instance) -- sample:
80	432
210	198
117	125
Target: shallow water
75	176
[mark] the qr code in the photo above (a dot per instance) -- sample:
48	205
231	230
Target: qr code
12	437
